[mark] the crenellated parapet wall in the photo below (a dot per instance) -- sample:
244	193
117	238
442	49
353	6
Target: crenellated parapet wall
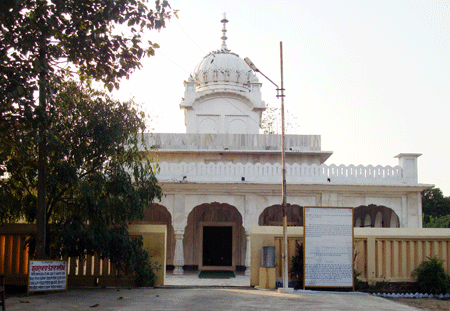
295	173
255	158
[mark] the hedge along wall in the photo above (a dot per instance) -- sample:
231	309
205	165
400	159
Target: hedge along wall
87	271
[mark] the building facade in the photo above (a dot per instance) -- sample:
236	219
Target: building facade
222	177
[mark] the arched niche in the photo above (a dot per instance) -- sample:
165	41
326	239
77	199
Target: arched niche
273	215
237	126
376	216
378	220
213	216
394	221
367	221
208	124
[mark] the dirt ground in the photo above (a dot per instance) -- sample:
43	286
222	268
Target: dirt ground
426	304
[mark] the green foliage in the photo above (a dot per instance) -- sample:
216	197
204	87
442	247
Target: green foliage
359	285
437	222
125	252
434	206
98	179
431	276
39	39
98	39
102	39
296	271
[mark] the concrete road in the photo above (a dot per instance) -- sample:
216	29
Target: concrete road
208	298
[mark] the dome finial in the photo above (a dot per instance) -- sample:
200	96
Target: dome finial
224	38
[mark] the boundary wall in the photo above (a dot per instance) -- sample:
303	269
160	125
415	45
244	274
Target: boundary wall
87	271
381	254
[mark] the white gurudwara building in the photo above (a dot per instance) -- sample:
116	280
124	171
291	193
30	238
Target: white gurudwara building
222	177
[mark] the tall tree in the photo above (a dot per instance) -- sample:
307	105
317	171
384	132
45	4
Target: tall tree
98	177
434	206
100	39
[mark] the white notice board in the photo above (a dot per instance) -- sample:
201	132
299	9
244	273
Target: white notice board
47	275
328	247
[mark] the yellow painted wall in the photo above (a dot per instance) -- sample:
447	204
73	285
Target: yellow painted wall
267	279
155	242
381	254
90	271
391	254
267	236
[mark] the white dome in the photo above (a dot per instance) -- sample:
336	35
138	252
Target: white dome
222	95
223	70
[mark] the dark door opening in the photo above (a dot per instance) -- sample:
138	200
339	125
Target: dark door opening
217	246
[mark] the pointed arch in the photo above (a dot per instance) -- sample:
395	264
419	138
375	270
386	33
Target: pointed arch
394	221
273	215
367	221
205	218
380	216
378	220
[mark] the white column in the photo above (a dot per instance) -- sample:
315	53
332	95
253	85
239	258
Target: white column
247	253
178	261
408	162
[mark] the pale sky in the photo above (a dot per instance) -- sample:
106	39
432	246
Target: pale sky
371	77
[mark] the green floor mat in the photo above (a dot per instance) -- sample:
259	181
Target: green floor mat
216	274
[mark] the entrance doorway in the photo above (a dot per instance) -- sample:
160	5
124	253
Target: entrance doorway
217	246
232	241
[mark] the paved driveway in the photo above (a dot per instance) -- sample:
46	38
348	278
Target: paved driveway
198	298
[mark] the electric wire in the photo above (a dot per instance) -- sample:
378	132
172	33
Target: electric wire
159	52
176	20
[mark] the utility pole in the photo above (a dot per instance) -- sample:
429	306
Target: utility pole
280	94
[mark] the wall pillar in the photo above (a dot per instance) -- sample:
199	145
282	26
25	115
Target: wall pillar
414	202
178	260
247	253
371	263
330	199
408	162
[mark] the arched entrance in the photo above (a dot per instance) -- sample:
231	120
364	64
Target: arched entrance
157	214
273	215
214	238
375	216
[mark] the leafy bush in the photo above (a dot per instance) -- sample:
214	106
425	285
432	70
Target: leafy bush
356	281
125	252
431	276
297	266
436	222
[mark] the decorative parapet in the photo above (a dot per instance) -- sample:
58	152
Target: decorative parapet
271	173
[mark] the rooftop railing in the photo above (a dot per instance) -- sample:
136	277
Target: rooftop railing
271	173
